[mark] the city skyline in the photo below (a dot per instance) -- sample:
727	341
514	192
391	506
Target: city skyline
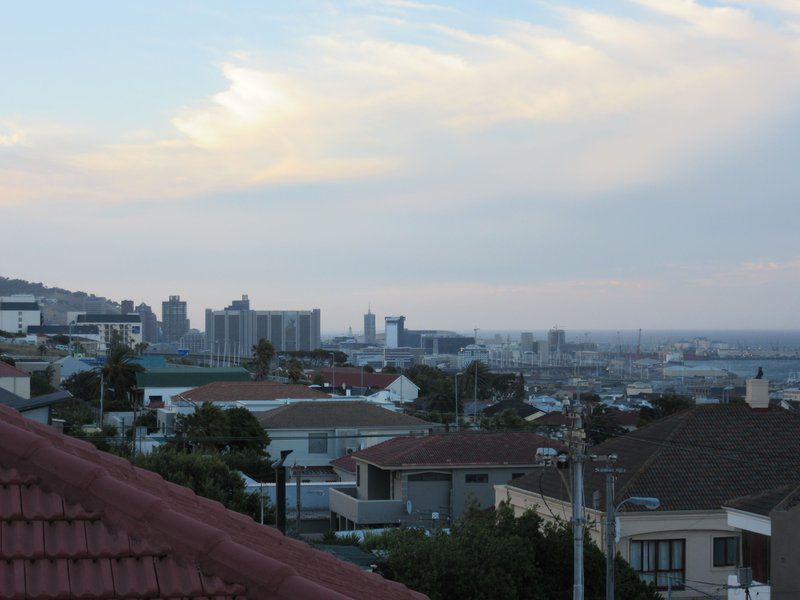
598	165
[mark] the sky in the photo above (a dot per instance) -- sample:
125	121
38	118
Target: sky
504	165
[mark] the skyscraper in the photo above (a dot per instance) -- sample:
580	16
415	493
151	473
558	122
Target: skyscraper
556	340
126	307
149	323
369	327
394	328
173	318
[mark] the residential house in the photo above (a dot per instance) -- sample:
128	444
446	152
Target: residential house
431	480
37	408
400	386
160	385
319	432
518	407
768	523
15	380
80	523
694	462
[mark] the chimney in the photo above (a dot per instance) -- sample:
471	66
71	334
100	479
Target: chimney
757	394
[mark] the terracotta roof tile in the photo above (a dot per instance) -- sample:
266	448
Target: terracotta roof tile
455	449
79	523
234	391
6	370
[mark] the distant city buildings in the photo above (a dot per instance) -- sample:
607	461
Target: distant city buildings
173	319
234	330
526	341
18	312
556	340
95	305
370	336
149	323
126	307
129	327
395	331
193	340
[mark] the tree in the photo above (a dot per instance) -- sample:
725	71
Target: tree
84	385
294	371
601	426
40	382
206	474
119	373
665	406
518	391
435	386
263	353
42	349
503	421
491	554
141	348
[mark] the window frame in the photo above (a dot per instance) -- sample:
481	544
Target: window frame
656	561
478	478
317	437
737	551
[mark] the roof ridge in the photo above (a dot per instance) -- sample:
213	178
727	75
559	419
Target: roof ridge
79	480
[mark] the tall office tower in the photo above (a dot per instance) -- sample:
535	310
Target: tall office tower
234	330
173	318
394	328
369	327
556	339
526	341
126	307
149	323
95	305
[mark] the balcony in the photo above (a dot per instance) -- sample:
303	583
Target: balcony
365	512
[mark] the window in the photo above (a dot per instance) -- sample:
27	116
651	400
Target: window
476	478
659	562
726	552
515	475
429	477
317	443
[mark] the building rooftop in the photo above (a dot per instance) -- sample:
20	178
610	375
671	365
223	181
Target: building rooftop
458	449
79	523
22	404
234	391
518	407
352	377
7	370
104	318
333	414
189	376
697	459
18	306
784	497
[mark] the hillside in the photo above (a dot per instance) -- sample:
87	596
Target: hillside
55	302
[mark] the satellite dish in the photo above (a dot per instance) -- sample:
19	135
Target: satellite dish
409	506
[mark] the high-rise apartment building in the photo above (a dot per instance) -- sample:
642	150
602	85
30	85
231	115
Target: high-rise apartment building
369	327
556	340
149	323
173	319
394	328
236	329
126	307
526	341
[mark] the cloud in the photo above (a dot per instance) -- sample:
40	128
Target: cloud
11	135
601	103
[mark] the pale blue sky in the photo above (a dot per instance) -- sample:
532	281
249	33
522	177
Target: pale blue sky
511	164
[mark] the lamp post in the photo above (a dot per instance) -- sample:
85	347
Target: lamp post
456	395
611	527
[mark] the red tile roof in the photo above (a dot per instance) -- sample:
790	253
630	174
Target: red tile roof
458	449
352	377
6	370
80	523
345	463
232	391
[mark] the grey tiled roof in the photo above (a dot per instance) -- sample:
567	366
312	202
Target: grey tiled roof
336	414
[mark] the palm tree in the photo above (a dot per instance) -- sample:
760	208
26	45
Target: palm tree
263	353
119	372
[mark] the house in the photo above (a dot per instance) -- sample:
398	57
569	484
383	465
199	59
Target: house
80	523
15	380
319	432
400	386
257	395
768	523
518	407
160	385
695	462
37	408
430	481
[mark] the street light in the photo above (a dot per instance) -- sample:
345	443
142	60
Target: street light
612	527
456	390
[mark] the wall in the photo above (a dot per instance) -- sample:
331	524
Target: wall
483	493
41	414
785	553
21	386
698	528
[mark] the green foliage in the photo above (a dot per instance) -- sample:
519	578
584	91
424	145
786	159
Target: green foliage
148	419
392	370
330	538
600	426
119	373
75	413
436	386
318	379
263	354
665	406
84	385
104	438
206	474
294	371
518	390
504	421
235	435
492	555
40	382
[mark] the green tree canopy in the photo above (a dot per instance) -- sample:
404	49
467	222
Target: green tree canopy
119	373
263	354
665	406
491	555
84	385
41	382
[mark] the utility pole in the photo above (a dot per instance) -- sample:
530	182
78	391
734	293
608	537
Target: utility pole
611	523
280	490
298	471
578	457
475	389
